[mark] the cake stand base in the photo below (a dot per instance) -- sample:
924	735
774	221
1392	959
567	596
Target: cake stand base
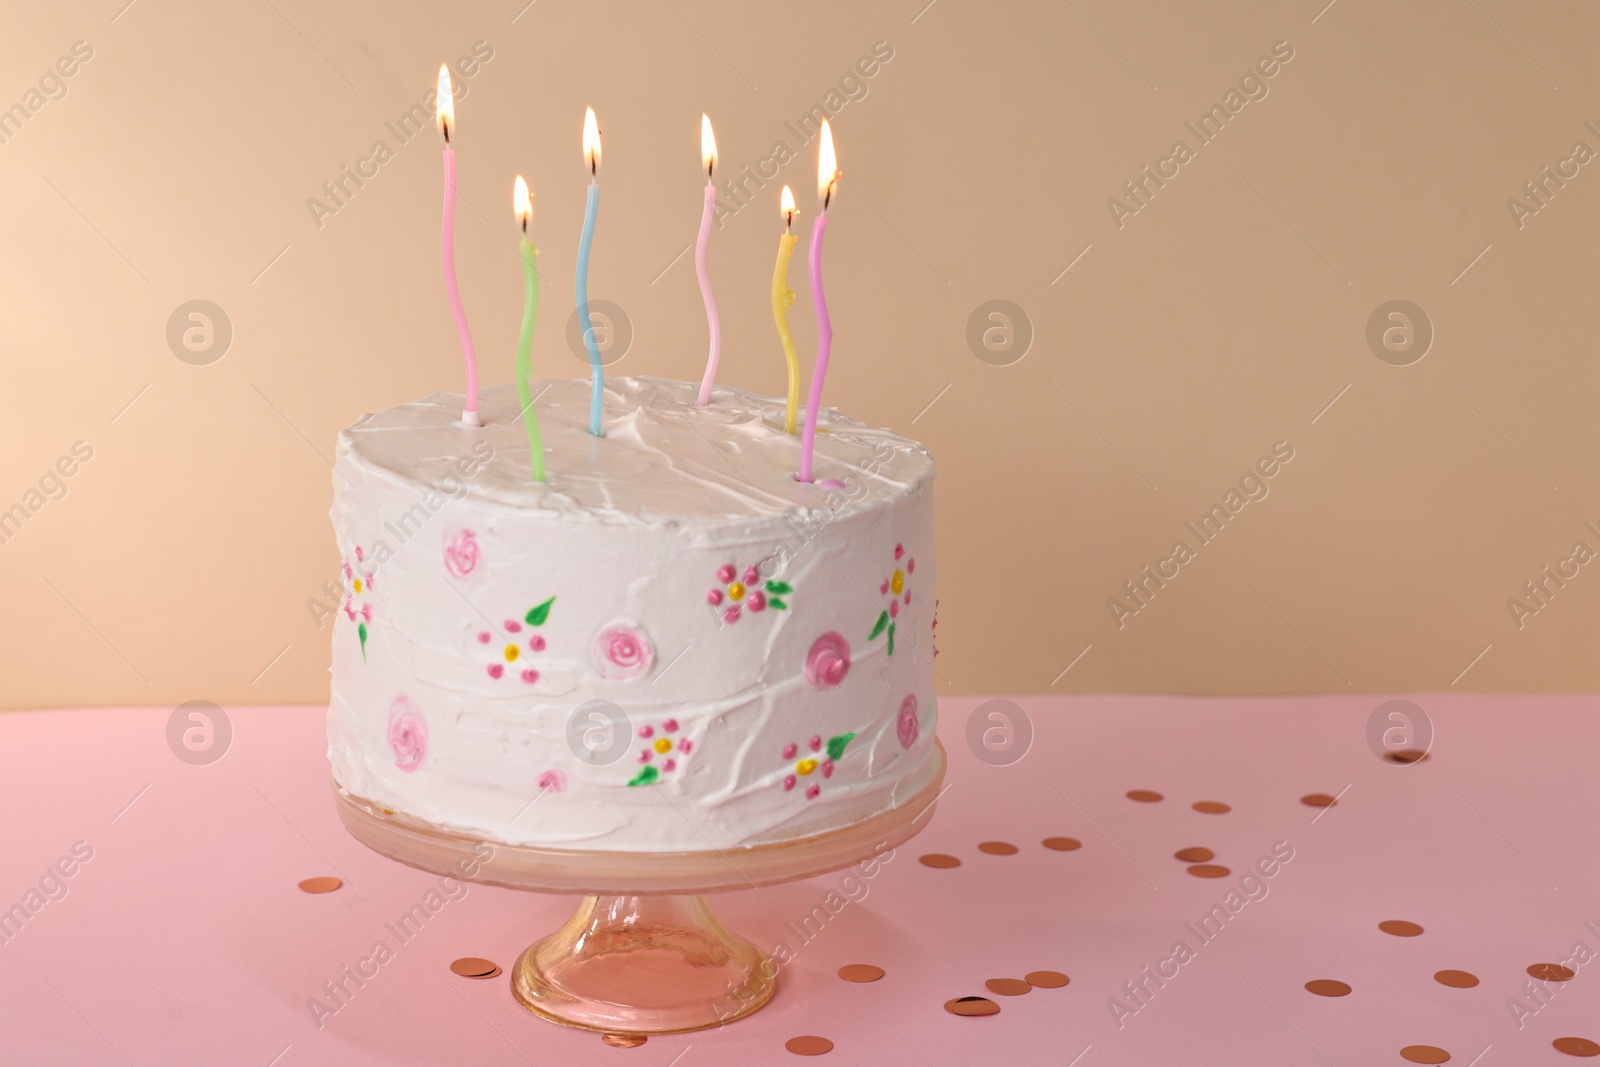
643	965
643	954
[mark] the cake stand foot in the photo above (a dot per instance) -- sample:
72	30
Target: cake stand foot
643	964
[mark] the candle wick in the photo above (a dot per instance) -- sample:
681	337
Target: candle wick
444	124
709	168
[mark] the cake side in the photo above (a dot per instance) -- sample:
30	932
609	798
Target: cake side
672	645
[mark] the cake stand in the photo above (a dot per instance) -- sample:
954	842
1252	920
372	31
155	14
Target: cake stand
642	954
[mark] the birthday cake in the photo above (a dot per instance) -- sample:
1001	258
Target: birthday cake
671	644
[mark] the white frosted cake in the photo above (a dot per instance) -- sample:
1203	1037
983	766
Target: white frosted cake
670	645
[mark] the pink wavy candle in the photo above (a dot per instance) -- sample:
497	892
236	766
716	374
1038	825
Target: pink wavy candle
447	251
824	347
712	321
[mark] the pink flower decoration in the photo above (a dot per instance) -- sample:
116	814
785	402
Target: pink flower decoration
731	615
906	725
813	791
790	750
751	576
536	642
622	653
552	781
483	637
530	676
726	573
460	554
408	734
828	661
757	601
496	670
714	597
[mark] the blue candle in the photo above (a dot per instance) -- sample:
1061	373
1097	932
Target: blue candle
591	155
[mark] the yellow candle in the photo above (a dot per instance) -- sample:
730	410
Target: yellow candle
782	297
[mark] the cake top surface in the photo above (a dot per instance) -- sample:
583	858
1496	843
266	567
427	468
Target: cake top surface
663	460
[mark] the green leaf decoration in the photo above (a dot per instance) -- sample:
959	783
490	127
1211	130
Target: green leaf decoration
836	744
645	776
883	621
779	587
891	639
361	632
537	615
776	603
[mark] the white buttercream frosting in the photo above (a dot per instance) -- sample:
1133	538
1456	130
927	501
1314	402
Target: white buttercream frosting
597	583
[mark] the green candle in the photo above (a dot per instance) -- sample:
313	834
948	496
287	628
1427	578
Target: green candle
530	311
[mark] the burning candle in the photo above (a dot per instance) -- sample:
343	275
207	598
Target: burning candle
522	204
591	157
782	298
827	182
445	113
708	160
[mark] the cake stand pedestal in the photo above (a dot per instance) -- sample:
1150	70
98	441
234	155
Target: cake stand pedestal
643	954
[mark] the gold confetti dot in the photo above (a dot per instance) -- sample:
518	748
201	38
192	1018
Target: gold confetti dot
998	848
1195	854
1145	796
1062	844
324	884
938	859
972	1006
860	972
1424	1054
475	967
1576	1046
1209	870
1400	928
1551	972
1406	755
1008	987
1046	979
624	1040
808	1045
1319	800
1211	807
1328	987
1456	979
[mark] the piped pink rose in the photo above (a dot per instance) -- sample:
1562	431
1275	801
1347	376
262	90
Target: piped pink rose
622	653
906	725
828	661
461	554
408	734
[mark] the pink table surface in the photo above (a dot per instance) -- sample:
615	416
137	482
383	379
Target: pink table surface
184	939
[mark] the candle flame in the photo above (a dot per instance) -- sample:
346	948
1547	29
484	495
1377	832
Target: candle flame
522	203
444	106
827	166
708	145
591	141
787	207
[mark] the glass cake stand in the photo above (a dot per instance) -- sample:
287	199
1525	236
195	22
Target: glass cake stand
642	954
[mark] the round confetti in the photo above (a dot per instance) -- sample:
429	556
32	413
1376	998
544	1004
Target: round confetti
1456	979
1328	987
1319	800
325	884
1576	1046
1209	870
809	1045
624	1040
1195	854
998	848
1406	755
1551	972
1400	928
1063	844
860	972
972	1006
1211	807
475	967
938	859
1046	979
1008	987
1424	1054
1145	796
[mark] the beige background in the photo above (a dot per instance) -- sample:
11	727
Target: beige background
1223	317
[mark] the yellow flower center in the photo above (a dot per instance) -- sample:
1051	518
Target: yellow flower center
736	591
805	766
898	582
358	585
663	745
512	652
